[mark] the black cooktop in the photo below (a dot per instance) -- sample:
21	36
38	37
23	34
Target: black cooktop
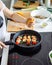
35	58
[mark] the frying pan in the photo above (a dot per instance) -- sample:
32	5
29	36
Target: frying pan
25	47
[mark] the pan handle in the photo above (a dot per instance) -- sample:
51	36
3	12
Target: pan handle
8	43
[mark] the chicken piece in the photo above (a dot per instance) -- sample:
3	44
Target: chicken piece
34	37
28	37
28	41
34	41
20	37
24	38
18	40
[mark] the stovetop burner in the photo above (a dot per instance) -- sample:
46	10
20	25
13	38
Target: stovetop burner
31	61
18	58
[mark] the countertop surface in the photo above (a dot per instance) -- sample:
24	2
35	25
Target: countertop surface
37	26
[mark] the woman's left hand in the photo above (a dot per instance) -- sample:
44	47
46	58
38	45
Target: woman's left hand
2	45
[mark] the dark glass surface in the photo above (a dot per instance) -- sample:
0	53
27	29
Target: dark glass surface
16	57
32	61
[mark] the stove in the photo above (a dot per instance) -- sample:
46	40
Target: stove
16	57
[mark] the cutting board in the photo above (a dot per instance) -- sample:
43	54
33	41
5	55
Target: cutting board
16	26
21	4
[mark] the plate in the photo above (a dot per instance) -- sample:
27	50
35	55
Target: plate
41	15
50	56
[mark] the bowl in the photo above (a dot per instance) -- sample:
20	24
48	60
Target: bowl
50	56
41	15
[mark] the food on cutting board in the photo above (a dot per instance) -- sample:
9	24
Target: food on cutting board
25	5
20	13
40	17
26	40
30	9
24	13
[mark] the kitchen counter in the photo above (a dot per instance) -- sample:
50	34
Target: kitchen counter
37	26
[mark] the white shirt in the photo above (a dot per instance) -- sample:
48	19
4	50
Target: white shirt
3	28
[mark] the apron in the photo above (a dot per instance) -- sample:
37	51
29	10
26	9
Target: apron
3	28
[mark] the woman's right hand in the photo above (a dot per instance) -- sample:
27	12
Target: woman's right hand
2	45
30	22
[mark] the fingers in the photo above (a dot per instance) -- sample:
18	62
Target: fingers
30	21
18	18
2	45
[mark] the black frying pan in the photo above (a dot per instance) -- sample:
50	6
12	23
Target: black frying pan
25	47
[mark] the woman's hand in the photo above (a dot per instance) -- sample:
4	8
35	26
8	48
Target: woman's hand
2	45
30	22
18	18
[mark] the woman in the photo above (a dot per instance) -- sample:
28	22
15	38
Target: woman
9	14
